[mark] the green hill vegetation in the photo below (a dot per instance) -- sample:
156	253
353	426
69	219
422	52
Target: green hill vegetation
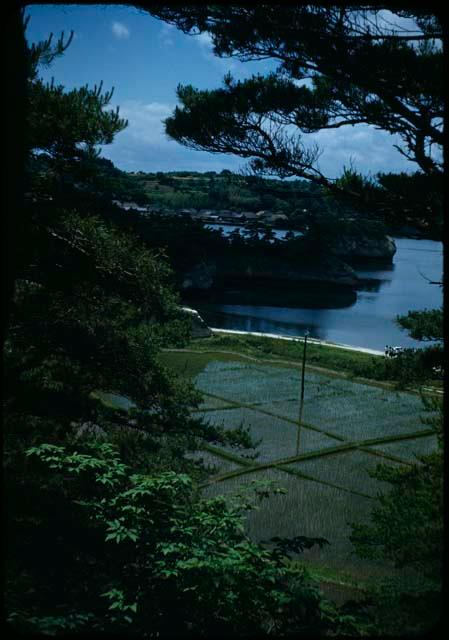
227	190
302	202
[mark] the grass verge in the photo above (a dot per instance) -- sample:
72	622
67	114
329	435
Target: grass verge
352	362
365	367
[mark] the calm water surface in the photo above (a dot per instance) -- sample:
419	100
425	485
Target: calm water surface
369	321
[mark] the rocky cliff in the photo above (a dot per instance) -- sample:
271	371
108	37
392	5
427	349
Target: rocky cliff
248	267
224	273
363	247
199	328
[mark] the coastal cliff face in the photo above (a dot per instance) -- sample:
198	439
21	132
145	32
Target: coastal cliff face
223	273
331	267
362	247
329	271
199	328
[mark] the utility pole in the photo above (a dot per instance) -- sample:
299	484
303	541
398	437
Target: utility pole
301	399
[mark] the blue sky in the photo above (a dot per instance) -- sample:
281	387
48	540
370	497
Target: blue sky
144	60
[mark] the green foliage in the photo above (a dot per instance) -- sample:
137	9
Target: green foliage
337	67
414	199
406	526
416	366
419	365
410	368
74	121
105	531
239	109
139	552
404	607
305	204
102	330
92	306
232	191
423	325
352	362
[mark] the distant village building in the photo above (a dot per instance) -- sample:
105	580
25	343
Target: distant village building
209	216
127	206
232	214
232	217
249	215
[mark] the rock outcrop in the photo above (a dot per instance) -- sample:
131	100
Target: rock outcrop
361	247
244	272
277	272
199	327
248	268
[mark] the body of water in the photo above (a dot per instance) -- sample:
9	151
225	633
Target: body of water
367	320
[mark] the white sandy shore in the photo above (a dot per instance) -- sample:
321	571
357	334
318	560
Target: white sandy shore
374	352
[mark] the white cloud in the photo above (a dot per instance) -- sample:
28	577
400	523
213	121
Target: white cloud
165	35
389	21
204	41
120	31
144	145
145	120
371	150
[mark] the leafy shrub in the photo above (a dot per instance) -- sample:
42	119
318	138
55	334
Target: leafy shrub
133	552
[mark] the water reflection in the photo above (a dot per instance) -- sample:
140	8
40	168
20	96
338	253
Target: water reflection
258	319
367	319
299	296
371	284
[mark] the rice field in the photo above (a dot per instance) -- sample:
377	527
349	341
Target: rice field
348	428
348	469
214	463
211	403
276	438
311	509
409	449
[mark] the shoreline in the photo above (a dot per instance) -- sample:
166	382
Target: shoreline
347	347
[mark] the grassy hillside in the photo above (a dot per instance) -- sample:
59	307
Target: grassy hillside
301	201
345	363
297	198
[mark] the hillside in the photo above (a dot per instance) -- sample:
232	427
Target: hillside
292	204
295	199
